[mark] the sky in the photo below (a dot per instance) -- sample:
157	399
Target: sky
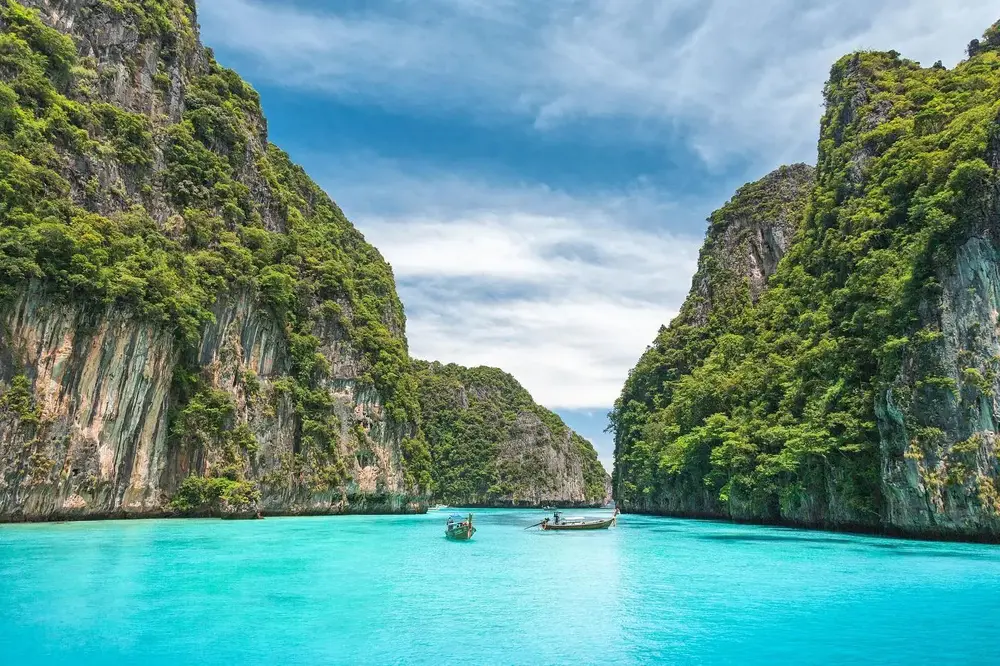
538	174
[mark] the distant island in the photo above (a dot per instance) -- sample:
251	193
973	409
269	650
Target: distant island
491	445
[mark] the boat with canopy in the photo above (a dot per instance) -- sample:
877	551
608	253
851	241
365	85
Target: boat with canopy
558	522
459	528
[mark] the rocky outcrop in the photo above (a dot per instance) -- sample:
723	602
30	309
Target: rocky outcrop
938	418
96	441
935	407
856	388
492	445
179	385
132	58
545	466
745	241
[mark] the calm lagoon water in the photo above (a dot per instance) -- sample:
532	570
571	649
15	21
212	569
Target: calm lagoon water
392	590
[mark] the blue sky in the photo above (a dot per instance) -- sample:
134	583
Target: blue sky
538	174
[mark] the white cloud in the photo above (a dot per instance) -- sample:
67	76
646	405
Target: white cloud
554	289
568	352
573	325
739	78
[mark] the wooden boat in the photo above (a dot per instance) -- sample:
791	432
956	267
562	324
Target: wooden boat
460	529
557	522
578	524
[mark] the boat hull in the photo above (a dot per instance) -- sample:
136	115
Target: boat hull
460	533
593	525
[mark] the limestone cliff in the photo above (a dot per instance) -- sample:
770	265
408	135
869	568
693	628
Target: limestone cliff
491	445
745	241
859	389
189	325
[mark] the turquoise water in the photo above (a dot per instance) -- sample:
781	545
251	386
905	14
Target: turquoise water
392	590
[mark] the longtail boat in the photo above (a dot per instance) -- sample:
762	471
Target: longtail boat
578	524
459	528
560	523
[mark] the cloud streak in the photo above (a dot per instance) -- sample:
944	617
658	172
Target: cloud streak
737	78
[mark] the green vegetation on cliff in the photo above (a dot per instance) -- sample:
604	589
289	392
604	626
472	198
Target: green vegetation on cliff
188	226
491	444
160	198
767	410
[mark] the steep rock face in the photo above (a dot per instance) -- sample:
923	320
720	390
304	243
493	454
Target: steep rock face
939	445
100	443
746	240
128	49
491	445
935	387
189	323
859	390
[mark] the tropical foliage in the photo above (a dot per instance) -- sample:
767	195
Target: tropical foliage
769	407
470	416
184	224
